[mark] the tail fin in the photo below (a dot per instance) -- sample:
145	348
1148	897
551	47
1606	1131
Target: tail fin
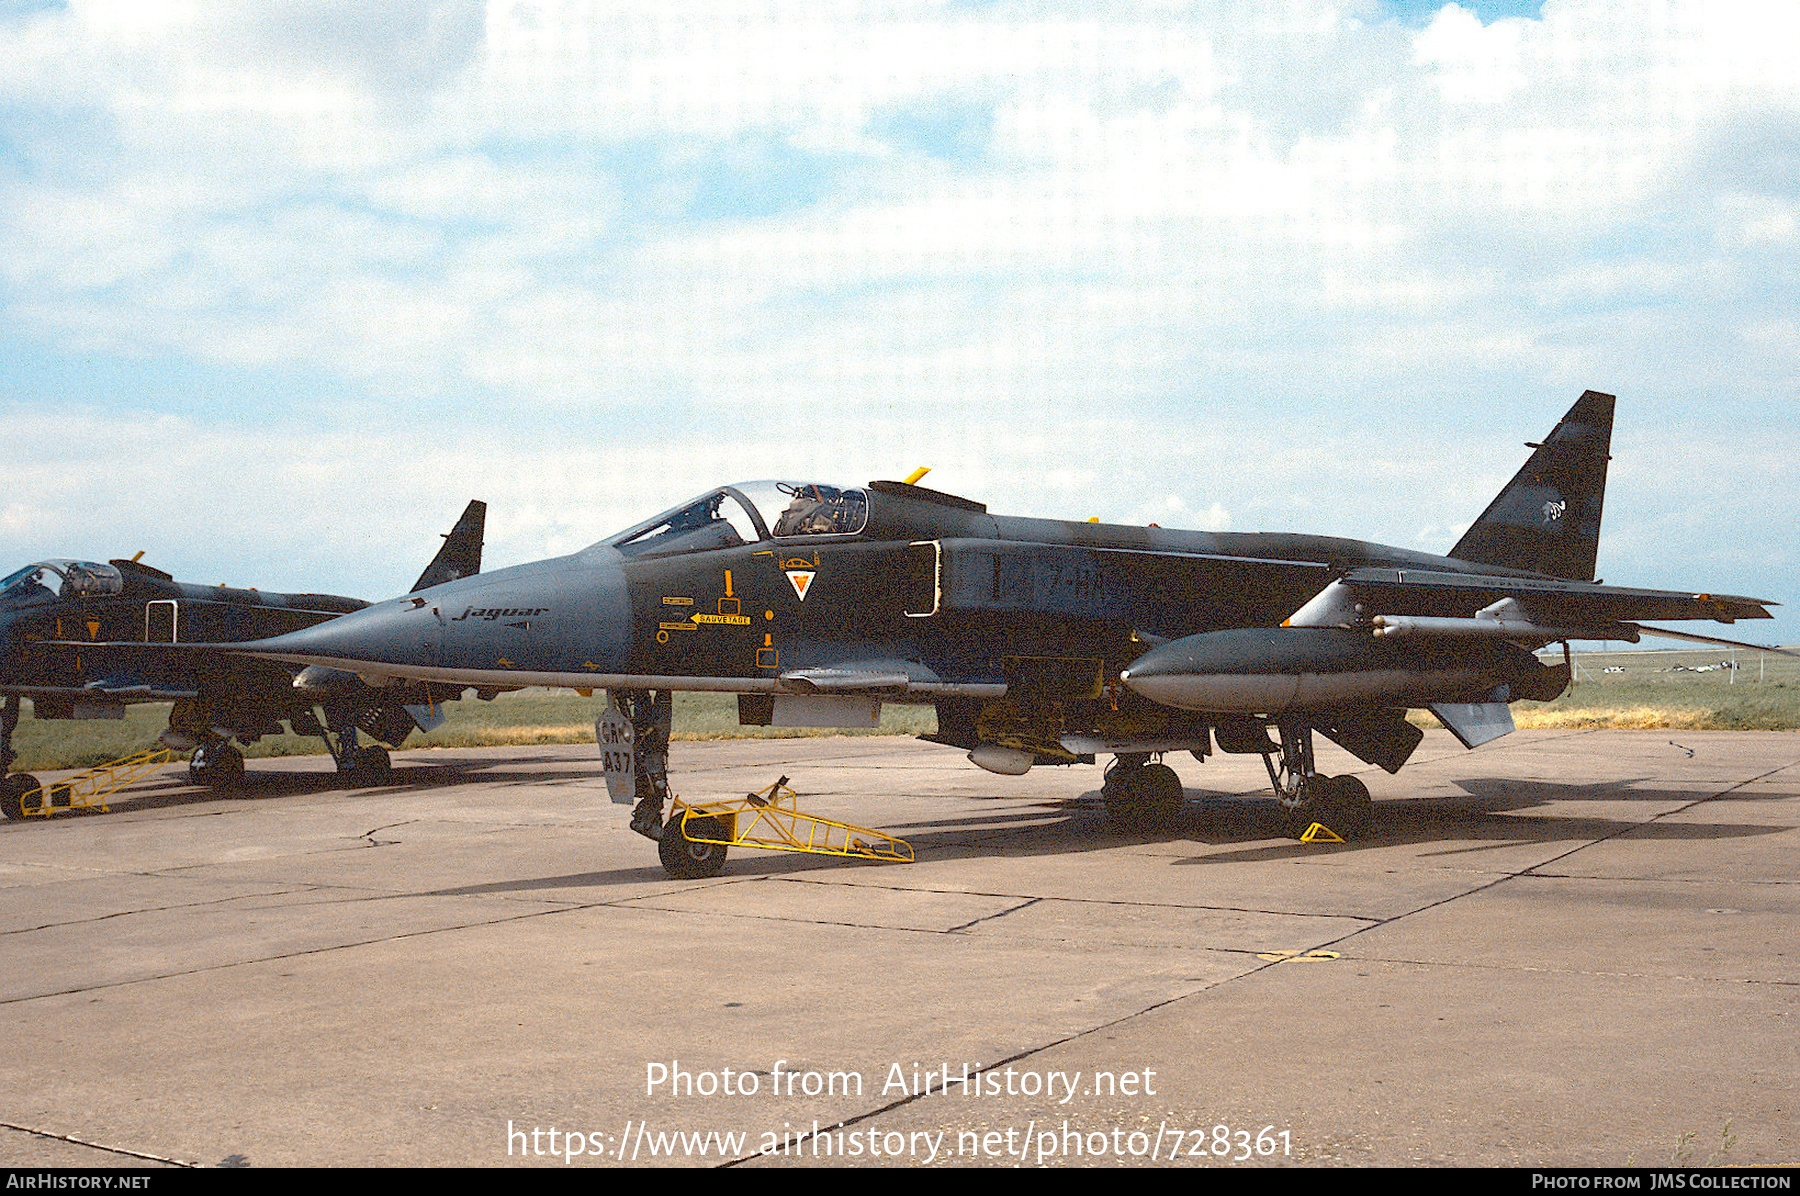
1547	520
461	554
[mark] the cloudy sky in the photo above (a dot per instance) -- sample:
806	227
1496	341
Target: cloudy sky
283	284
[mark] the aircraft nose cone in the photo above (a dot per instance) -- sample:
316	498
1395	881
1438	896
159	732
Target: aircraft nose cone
391	633
551	623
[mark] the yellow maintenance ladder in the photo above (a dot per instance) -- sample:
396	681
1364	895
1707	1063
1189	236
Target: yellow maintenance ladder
767	818
89	790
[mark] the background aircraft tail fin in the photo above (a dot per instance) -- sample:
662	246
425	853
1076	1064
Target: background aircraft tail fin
461	554
1547	519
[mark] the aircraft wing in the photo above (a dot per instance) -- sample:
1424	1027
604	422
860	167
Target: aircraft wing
842	680
881	678
1584	602
1419	601
103	692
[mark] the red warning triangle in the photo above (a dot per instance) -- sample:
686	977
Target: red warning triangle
801	580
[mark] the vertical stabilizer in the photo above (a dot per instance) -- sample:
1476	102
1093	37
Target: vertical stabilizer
461	554
1547	519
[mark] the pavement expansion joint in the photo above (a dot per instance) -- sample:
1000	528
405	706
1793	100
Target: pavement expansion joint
118	1150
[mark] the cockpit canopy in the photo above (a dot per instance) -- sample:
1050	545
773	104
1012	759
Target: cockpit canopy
748	513
66	579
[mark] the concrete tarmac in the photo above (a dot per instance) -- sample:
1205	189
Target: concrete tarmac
1567	948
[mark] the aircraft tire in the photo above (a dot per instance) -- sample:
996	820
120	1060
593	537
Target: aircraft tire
683	858
373	767
12	795
1341	804
1148	799
1353	806
216	764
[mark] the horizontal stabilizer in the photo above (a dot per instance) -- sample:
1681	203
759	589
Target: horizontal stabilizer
1711	639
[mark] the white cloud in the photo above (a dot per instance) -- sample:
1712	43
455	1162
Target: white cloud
834	233
1472	62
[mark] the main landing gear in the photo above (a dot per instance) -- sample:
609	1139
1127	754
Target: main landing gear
1340	805
217	765
362	766
218	761
1139	795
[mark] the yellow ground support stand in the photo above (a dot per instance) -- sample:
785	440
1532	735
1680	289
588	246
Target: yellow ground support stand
89	790
768	819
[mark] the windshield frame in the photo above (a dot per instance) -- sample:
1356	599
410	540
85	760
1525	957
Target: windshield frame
694	515
79	579
762	504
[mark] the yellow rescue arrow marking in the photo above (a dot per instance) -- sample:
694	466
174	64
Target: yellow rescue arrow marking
1298	957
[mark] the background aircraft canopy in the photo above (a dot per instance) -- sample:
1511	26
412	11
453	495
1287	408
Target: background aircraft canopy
80	579
745	514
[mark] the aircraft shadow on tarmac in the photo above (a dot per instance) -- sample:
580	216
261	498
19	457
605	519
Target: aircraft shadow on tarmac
1485	819
1488	815
1492	814
171	788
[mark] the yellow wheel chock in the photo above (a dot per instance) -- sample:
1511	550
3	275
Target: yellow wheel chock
768	818
1318	832
89	790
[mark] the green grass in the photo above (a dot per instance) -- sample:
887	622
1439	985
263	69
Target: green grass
527	716
1764	695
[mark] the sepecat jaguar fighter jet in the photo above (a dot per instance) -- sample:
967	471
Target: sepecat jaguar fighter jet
1040	641
83	640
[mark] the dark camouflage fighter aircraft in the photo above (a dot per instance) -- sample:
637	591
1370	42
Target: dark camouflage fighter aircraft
82	639
1040	641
